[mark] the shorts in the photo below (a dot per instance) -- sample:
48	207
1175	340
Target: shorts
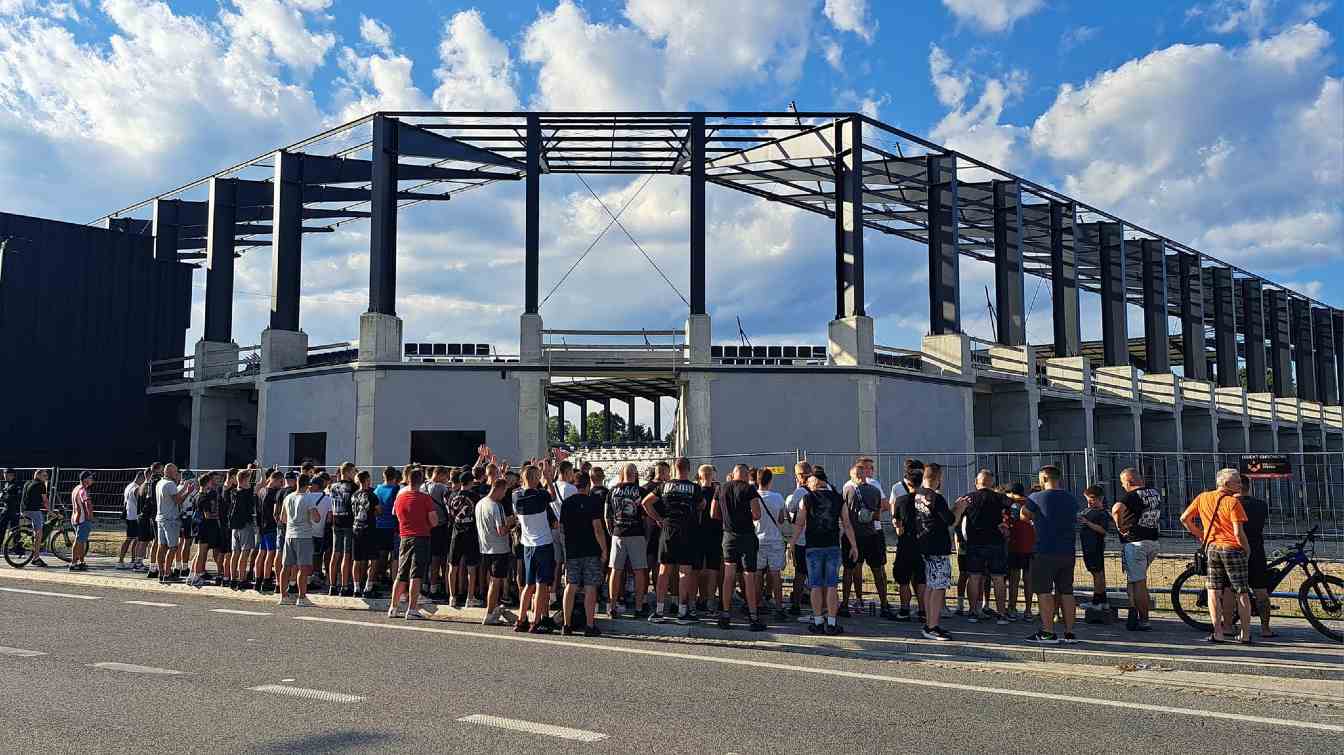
413	560
908	566
770	557
497	564
987	559
187	528
465	548
439	540
386	540
741	551
319	547
1137	557
132	529
170	532
365	544
223	540
823	567
148	530
209	534
800	561
585	571
1257	571
711	548
938	572
1228	567
298	552
244	538
82	532
559	546
342	540
266	542
963	564
872	551
1052	573
538	564
37	518
1094	559
679	549
1019	561
631	549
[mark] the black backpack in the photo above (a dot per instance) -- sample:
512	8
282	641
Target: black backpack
823	507
362	503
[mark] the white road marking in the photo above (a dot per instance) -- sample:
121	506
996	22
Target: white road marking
1122	704
134	669
51	594
236	612
310	694
149	603
20	652
530	727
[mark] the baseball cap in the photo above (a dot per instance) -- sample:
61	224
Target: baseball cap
291	475
85	476
465	477
1017	489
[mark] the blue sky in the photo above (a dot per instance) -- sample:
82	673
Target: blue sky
1218	123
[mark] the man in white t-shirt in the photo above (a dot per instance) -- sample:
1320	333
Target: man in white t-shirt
130	497
170	494
770	556
302	520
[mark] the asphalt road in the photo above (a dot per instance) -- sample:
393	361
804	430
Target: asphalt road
190	675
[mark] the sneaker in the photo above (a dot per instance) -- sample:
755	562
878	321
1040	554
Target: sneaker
693	617
928	634
415	615
153	574
1026	615
303	602
592	631
172	579
942	633
522	626
756	625
658	618
1070	639
902	614
282	600
1011	615
567	631
1132	623
886	613
493	619
541	628
391	610
614	613
725	623
832	629
123	567
815	628
1002	621
38	562
1044	638
357	592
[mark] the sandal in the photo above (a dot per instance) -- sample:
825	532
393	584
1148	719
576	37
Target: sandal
1214	640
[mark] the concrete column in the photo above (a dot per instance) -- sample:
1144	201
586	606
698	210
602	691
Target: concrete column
532	217
948	354
166	229
697	230
1157	348
583	421
1252	325
698	339
630	418
694	415
850	341
209	428
1195	362
215	360
1323	329
1280	351
530	338
1304	350
379	337
1114	319
286	241
849	218
283	350
383	218
533	439
867	414
607	431
657	417
1009	274
367	382
1225	328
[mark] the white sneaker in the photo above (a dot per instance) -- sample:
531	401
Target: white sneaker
392	611
303	602
493	620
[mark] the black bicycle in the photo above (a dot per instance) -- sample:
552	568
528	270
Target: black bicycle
58	537
1321	596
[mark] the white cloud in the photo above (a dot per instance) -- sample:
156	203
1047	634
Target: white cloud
1230	16
851	15
992	15
833	53
276	27
375	32
476	69
1236	150
976	130
590	66
1077	36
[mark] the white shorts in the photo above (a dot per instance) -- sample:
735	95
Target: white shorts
938	572
633	549
1136	558
770	557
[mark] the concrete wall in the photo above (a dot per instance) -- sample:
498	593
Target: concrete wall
757	411
1003	420
445	399
919	415
309	403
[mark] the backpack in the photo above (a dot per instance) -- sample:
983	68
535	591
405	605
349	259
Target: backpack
361	505
822	522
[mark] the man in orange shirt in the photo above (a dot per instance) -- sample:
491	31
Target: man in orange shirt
1222	528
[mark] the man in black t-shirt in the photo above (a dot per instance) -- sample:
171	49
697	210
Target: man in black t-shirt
738	506
823	524
464	548
984	529
907	567
1257	568
863	502
267	562
674	506
11	499
1138	514
585	552
625	517
931	518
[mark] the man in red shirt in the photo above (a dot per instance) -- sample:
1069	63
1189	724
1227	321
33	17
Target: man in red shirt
416	517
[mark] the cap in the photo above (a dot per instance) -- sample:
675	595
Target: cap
819	473
291	475
85	476
465	477
1017	489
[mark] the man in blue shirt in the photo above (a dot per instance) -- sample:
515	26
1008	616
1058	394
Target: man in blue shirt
1054	513
385	524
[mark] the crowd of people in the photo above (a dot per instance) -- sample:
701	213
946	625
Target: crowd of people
550	535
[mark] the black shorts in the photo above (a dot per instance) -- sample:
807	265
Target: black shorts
1019	561
987	559
963	564
132	528
366	544
907	568
208	534
465	548
223	538
188	531
711	548
741	551
148	530
680	549
872	551
413	562
800	561
497	564
439	540
1257	571
386	540
1094	559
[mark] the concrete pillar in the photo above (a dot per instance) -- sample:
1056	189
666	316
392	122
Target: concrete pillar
166	229
1009	274
608	433
697	229
530	338
533	439
379	337
694	415
630	418
1280	350
221	220
283	350
657	418
215	360
1224	327
286	241
848	218
698	339
850	341
867	414
209	428
1194	359
1114	319
583	421
1323	329
1304	350
367	383
1156	346
1252	325
948	355
383	218
532	217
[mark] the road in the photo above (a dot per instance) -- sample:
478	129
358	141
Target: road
99	669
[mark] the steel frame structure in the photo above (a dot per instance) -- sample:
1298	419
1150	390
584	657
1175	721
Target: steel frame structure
858	171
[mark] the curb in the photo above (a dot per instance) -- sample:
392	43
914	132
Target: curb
875	647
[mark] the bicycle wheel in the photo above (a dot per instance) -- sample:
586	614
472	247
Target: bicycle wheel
61	542
19	549
1185	604
1322	600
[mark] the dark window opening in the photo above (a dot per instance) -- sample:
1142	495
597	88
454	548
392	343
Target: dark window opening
308	447
449	447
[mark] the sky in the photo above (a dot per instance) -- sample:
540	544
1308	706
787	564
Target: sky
1219	124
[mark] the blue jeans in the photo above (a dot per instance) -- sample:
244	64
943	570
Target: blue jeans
823	567
82	532
539	564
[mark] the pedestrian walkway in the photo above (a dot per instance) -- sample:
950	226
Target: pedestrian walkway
1299	652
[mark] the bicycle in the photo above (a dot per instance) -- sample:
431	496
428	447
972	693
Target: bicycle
1321	596
58	536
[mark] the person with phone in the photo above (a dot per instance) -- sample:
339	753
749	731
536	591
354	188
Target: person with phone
170	494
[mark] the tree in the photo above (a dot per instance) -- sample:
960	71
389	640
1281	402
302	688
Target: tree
597	430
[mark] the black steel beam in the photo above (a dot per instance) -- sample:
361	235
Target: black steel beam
1280	350
413	140
1253	328
219	261
606	411
1110	242
848	218
167	225
1195	364
630	418
1156	344
1323	329
383	222
532	218
1064	280
1304	350
657	418
1009	274
697	230
1337	325
944	260
1225	328
287	227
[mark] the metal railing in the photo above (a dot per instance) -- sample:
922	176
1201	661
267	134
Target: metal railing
645	352
909	360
